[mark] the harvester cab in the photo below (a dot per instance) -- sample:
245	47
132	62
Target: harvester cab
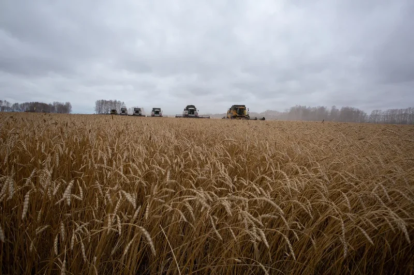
124	111
156	112
190	111
138	112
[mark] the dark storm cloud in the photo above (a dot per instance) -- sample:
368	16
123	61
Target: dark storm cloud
265	54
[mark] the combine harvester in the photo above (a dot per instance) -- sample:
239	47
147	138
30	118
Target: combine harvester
239	112
156	112
190	111
114	112
139	112
124	111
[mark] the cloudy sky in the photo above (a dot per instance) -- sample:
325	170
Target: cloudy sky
267	54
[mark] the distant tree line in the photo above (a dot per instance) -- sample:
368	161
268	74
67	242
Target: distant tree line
348	114
38	107
394	116
105	106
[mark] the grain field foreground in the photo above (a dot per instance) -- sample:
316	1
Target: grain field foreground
88	194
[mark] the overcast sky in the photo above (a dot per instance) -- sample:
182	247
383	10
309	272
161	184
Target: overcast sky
269	55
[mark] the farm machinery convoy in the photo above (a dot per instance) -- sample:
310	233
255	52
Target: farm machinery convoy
239	112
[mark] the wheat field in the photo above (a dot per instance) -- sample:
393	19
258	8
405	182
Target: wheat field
95	194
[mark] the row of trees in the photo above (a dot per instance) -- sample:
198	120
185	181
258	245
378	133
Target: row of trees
348	114
394	116
345	114
55	107
105	106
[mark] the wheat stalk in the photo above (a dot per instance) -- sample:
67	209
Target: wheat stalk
119	225
68	191
127	247
55	245
41	229
83	251
2	238
26	204
62	231
10	184
172	251
148	237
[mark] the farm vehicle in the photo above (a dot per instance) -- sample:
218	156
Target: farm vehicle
139	112
239	112
190	111
156	112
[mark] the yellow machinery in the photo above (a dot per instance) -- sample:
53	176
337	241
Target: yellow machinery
238	112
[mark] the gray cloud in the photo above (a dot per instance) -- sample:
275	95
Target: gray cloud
265	54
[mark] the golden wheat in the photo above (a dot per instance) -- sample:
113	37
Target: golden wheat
87	194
